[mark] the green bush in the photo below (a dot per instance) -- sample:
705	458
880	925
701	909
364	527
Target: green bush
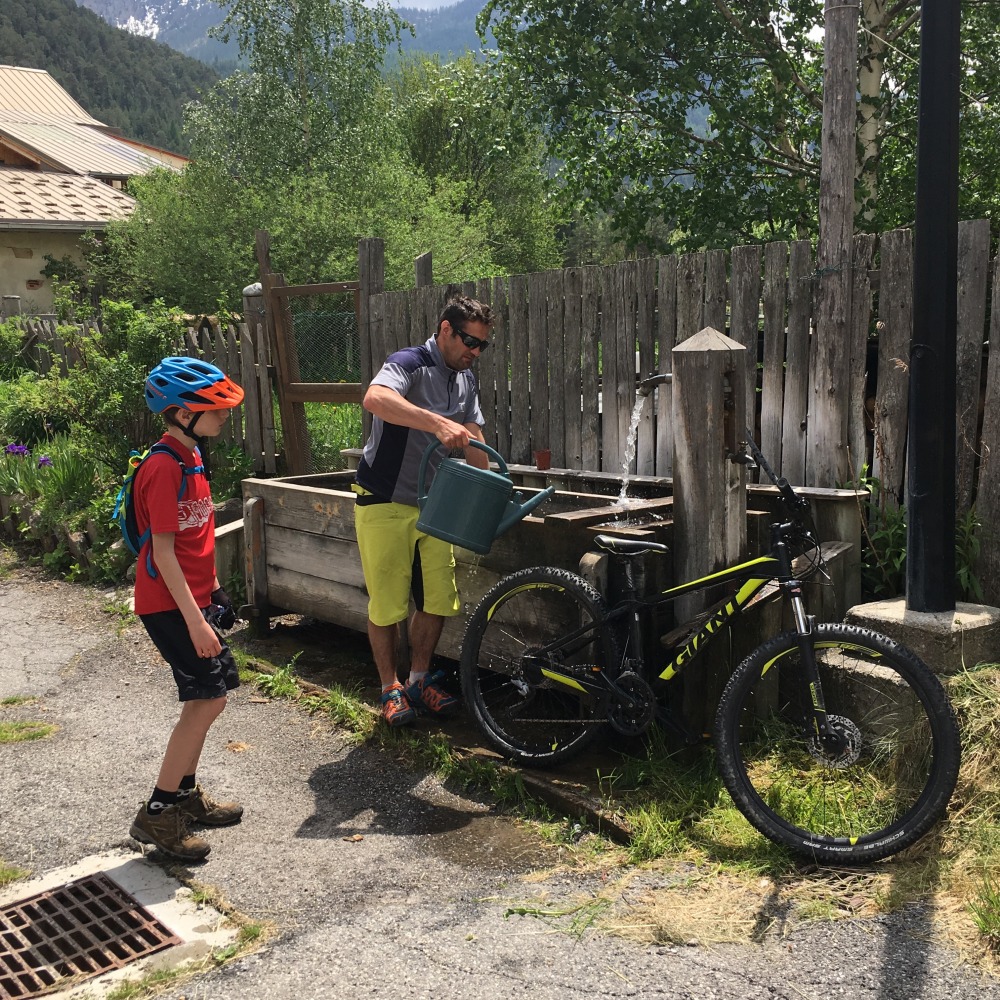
12	359
33	408
332	427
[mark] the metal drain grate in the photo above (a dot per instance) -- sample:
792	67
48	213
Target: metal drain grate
77	931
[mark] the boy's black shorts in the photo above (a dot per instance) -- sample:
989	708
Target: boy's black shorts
198	678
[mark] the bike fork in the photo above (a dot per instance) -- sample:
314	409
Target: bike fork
814	710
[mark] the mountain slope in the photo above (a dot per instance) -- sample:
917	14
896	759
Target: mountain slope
131	83
184	24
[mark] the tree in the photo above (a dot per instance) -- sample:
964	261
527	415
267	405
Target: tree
309	93
705	116
465	136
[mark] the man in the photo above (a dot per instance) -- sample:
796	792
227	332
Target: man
421	394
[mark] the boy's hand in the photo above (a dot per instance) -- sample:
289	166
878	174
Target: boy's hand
206	642
226	617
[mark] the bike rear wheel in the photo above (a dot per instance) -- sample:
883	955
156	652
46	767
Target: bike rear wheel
898	762
515	633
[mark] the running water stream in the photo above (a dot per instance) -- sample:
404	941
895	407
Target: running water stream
630	445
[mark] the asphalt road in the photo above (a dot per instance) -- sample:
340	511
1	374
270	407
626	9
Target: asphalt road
414	908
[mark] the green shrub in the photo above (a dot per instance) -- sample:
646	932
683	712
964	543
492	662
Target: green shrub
12	359
332	427
33	408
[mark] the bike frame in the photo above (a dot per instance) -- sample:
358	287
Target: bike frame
755	575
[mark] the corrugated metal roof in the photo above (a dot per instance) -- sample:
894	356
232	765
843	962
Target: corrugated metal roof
78	148
43	122
33	199
36	92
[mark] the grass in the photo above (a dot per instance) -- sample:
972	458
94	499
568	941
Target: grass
22	732
682	816
717	878
17	699
11	873
250	935
121	610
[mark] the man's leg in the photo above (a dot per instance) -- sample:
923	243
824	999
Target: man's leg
422	688
383	642
425	631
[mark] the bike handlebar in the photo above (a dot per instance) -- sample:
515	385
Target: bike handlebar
787	491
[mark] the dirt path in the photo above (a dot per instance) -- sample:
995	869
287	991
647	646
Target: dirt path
415	908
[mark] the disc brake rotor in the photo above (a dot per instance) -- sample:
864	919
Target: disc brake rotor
851	736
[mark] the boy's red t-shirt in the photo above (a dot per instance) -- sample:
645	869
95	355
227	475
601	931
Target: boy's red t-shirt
191	520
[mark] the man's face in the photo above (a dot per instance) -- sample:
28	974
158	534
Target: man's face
456	353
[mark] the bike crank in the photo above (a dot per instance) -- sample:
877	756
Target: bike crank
634	706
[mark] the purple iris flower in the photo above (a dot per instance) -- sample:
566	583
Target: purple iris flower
44	461
16	449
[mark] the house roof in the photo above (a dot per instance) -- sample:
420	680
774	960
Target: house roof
42	123
63	145
35	92
34	199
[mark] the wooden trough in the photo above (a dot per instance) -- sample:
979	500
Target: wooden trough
302	554
302	557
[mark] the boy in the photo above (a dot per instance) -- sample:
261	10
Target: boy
175	590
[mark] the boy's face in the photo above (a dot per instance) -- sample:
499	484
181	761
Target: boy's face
211	422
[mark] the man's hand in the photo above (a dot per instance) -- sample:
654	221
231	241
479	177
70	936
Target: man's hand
451	434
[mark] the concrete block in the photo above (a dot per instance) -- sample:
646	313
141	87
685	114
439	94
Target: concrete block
946	641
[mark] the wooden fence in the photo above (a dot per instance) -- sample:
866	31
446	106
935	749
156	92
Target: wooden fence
240	352
569	345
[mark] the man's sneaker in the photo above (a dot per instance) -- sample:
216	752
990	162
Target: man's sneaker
202	808
396	709
429	696
168	830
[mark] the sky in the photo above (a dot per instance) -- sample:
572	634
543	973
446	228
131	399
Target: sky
423	4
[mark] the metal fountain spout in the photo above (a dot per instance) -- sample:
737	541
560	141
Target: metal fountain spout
648	384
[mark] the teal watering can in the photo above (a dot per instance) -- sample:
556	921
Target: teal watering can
469	506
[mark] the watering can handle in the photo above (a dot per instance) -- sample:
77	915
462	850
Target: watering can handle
433	446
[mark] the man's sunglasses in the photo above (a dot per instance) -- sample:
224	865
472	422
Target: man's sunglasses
470	342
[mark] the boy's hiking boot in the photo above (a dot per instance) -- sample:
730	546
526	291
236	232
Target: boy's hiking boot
396	710
168	830
202	808
427	695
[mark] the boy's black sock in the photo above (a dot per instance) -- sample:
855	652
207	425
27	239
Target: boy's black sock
159	800
187	786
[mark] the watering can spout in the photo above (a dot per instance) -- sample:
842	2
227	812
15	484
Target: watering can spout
516	510
647	385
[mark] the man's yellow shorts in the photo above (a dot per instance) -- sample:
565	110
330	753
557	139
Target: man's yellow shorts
397	559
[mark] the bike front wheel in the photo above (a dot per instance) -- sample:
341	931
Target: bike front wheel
896	764
533	621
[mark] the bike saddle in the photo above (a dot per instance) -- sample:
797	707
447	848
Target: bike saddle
628	546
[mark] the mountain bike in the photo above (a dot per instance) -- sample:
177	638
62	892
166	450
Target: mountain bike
833	740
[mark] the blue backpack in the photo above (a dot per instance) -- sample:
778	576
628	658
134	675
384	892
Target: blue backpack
124	513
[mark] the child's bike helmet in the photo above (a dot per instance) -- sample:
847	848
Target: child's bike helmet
191	385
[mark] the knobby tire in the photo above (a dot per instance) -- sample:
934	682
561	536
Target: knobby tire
887	789
525	716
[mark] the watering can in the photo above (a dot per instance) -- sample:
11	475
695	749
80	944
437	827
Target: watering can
469	506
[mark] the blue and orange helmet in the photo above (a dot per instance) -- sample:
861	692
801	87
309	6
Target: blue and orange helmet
191	385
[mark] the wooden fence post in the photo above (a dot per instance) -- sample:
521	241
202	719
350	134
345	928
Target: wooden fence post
423	270
710	497
371	275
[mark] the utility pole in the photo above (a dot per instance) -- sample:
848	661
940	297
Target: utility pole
826	463
930	537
